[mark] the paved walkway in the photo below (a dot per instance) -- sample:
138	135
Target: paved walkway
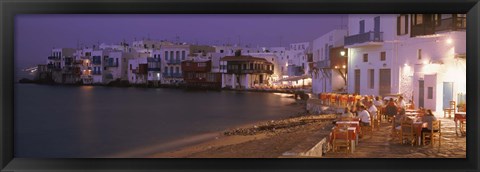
381	145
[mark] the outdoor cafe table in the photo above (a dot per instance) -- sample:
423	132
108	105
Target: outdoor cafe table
350	124
412	113
459	117
418	126
352	136
410	110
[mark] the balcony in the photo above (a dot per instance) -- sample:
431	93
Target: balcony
53	58
447	24
157	69
172	75
173	62
364	39
111	64
153	60
177	75
250	71
324	64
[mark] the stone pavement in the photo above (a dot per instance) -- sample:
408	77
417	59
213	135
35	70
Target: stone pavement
381	145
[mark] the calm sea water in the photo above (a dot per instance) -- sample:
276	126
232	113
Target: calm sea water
87	121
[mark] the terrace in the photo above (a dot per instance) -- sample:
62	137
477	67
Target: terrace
364	39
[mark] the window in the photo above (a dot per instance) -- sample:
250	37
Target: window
362	26
419	54
430	93
177	55
166	69
153	45
365	57
130	66
221	51
437	19
183	55
402	25
383	56
177	70
171	55
124	60
417	19
371	78
166	55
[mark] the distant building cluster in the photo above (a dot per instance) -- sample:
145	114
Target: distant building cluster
422	56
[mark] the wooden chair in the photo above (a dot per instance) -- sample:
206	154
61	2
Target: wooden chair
396	132
367	130
340	139
435	134
407	132
375	122
451	109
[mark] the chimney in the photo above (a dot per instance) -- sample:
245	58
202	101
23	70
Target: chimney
238	53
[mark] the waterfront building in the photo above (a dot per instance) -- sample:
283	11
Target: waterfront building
58	59
281	62
155	68
197	72
244	72
328	66
99	62
117	66
297	64
171	62
138	70
83	59
272	58
419	56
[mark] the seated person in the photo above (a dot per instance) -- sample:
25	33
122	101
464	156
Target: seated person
378	102
391	108
372	109
428	118
347	113
364	116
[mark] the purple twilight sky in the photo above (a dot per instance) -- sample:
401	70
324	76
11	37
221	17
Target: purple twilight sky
36	35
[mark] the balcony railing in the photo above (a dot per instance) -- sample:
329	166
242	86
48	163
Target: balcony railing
249	71
153	60
113	64
154	69
364	38
177	75
53	58
324	64
172	75
173	62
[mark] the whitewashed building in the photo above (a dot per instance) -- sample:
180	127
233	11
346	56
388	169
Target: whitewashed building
138	70
57	61
99	59
420	56
328	67
117	66
297	64
173	55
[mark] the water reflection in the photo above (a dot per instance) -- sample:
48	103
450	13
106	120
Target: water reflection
99	121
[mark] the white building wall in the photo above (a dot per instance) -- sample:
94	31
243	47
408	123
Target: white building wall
321	51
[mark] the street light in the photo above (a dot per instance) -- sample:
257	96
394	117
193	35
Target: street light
342	53
449	41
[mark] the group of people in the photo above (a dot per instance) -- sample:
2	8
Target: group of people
368	107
